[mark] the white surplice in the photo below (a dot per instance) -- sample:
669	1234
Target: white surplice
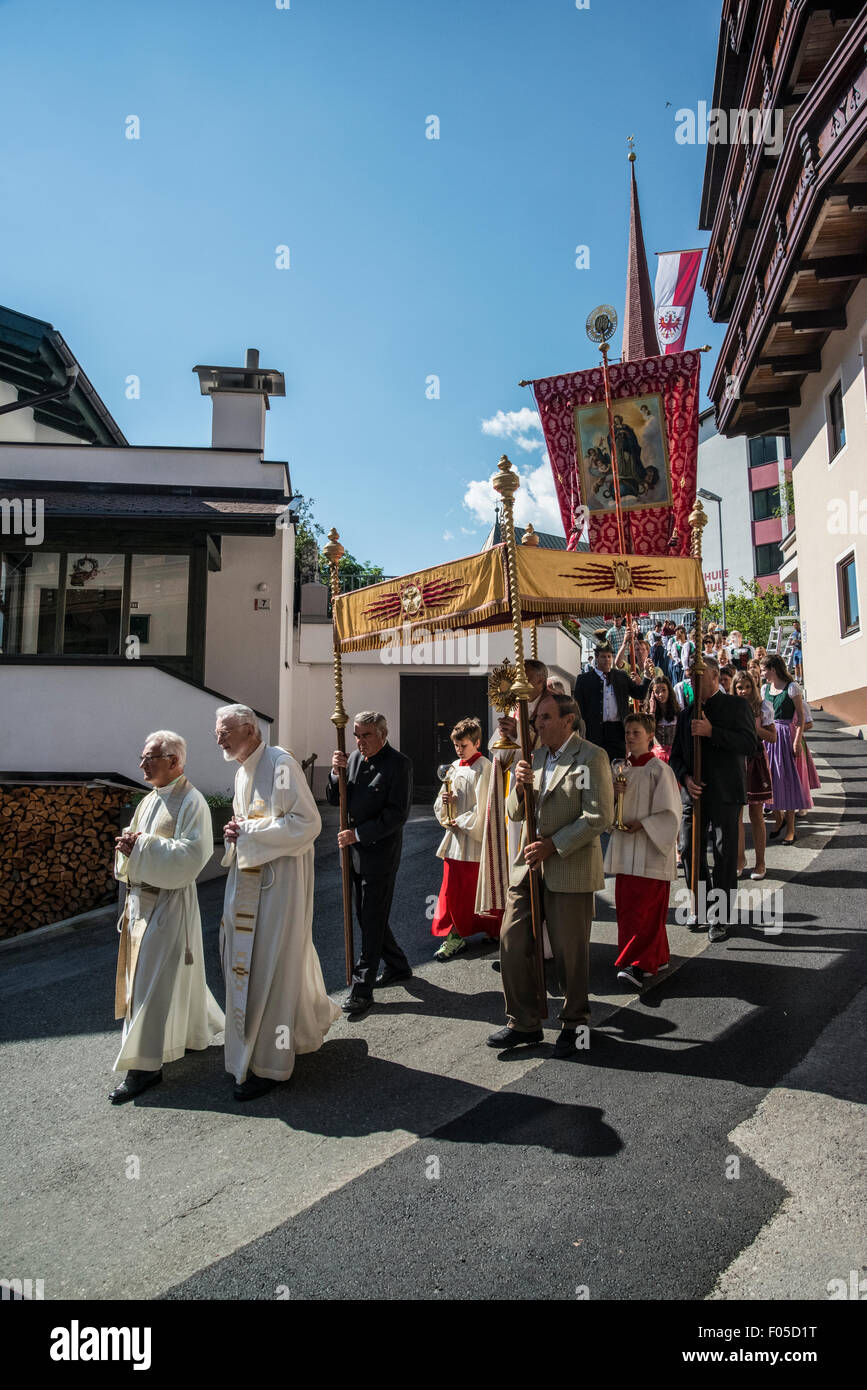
285	1009
463	840
652	796
171	1008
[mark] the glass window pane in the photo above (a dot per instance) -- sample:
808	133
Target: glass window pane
850	594
835	410
94	597
28	602
158	601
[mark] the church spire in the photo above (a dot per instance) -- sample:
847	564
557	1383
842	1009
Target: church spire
639	332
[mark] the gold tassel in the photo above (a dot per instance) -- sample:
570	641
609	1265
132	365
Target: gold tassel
188	956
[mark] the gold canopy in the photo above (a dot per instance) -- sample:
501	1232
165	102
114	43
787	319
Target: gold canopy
473	593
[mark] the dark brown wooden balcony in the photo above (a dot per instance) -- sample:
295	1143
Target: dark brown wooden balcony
808	252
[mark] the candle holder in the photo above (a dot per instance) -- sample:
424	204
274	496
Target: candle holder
618	768
444	773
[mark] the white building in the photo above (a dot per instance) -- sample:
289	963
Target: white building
422	696
140	586
749	476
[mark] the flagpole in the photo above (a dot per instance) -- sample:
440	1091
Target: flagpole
697	523
334	553
506	483
621	534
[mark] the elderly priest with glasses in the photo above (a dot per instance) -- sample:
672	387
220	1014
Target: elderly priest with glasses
160	991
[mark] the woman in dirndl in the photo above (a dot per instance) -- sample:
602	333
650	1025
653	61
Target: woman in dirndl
758	773
789	794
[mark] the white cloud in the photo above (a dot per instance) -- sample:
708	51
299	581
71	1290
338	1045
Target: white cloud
535	500
448	535
516	425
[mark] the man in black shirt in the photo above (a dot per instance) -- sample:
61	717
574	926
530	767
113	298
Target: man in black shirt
603	695
379	798
727	731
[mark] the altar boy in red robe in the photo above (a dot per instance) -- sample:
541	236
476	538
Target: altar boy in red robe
643	855
455	917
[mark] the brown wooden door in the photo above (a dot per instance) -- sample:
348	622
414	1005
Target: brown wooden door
430	706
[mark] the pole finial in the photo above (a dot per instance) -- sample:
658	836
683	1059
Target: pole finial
630	140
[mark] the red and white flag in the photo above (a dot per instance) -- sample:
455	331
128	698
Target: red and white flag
676	279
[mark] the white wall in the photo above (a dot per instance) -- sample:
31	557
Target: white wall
371	683
833	666
76	463
21	428
83	719
242	644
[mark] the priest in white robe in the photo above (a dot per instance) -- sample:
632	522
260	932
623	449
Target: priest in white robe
276	1004
160	990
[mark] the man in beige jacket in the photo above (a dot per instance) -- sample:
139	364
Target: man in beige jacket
574	806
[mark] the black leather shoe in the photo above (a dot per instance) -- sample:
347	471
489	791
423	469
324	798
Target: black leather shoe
565	1044
507	1038
392	977
254	1087
133	1084
356	1004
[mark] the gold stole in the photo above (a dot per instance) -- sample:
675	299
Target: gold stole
140	902
245	911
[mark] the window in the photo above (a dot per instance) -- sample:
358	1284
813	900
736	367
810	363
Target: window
88	603
29	596
836	423
769	558
766	502
93	604
787	447
158	603
763	450
847	596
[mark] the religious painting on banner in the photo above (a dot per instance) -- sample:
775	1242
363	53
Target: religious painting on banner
642	454
657	402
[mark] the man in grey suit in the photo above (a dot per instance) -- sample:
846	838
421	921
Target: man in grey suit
575	804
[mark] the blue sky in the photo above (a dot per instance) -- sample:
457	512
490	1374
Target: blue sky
409	257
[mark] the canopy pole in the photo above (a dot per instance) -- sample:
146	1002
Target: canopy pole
697	523
506	484
334	553
530	538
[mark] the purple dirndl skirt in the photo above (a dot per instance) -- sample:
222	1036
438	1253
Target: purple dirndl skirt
789	793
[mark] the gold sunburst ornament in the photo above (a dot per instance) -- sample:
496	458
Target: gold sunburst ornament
500	684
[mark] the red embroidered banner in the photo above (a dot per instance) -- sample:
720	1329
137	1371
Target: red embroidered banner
655	404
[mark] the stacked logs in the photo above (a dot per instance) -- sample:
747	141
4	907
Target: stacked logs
57	853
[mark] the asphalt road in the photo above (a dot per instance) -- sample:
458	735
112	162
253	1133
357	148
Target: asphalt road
406	1160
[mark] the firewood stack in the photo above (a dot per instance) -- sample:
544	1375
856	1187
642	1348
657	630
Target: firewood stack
57	853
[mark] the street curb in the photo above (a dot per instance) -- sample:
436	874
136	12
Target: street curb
67	924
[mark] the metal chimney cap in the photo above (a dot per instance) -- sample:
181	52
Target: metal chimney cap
251	379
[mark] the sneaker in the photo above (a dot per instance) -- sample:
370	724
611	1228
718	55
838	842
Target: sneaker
633	974
717	932
452	946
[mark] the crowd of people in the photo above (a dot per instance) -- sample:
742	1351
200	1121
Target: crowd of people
615	792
